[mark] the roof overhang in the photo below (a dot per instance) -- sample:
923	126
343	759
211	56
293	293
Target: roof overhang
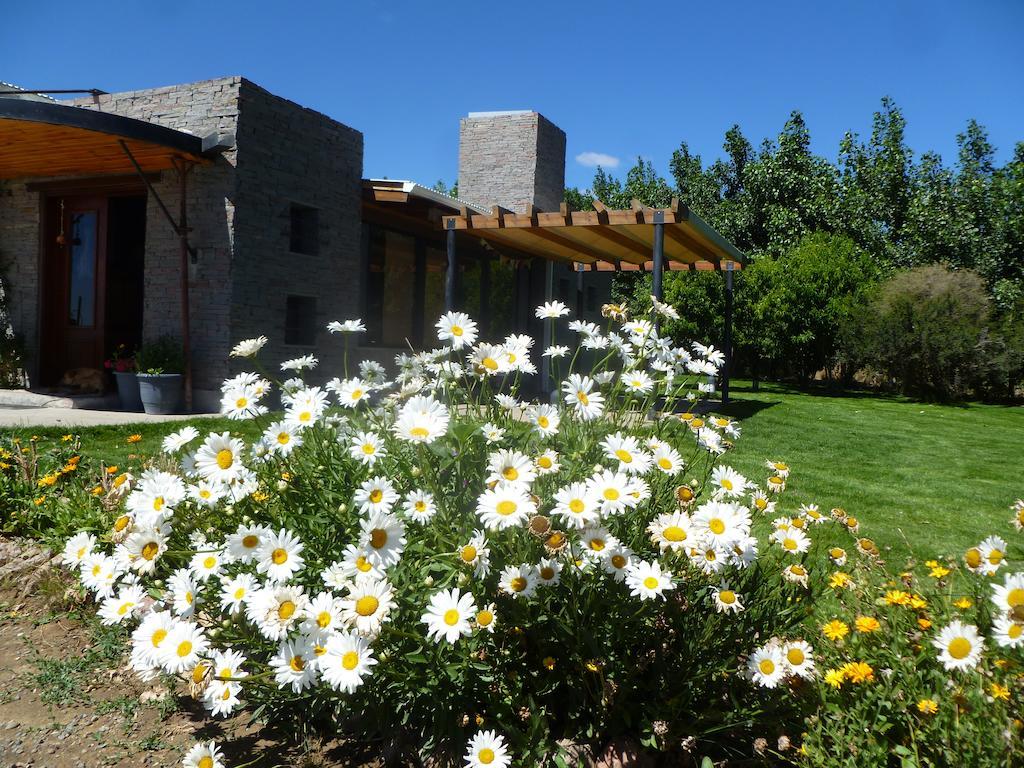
623	239
39	139
399	191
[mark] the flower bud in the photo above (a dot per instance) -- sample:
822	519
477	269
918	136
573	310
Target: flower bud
342	508
416	471
429	581
281	485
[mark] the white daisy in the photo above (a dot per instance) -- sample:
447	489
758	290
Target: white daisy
243	545
671	530
351	392
376	495
305	406
1008	597
476	554
282	437
175	441
507	466
617	560
726	599
346	326
547	462
367	605
279	555
184	592
321	615
577	505
183	646
421	420
545	419
292	664
728	483
767	666
551	310
667	459
505	506
205	493
419	506
1008	633
347	660
518	580
382	537
206	754
249	347
626	450
959	646
206	563
126	604
492	432
487	750
219	458
581	396
456	329
77	548
612	490
234	592
449	614
798	658
792	540
276	610
144	546
549	571
647	581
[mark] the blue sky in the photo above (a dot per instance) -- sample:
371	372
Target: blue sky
622	79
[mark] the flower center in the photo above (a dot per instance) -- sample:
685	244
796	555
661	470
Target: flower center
547	573
486	756
418	432
624	456
323	619
1015	598
576	506
209	562
378	538
664	463
184	649
158	637
350	660
973	558
367	605
457	330
518	584
451	617
611	494
121	523
795	656
767	666
510	473
650	582
205	762
369	449
716	526
363	565
489	363
543	422
582	397
1015	631
376	495
506	507
150	549
356	394
286	610
241	402
279	556
239	593
596	544
789	544
250	541
484	618
468	553
225	458
959	648
297	664
727	596
674	533
283	438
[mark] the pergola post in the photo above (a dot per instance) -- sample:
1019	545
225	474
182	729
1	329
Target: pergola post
545	362
579	291
449	278
659	259
727	342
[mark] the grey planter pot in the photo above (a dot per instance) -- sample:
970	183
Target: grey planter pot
128	390
160	392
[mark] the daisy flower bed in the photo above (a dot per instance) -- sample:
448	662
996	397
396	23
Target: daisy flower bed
432	562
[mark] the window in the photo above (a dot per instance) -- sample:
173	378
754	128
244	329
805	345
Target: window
304	232
300	321
82	270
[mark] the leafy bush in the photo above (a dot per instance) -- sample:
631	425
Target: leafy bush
163	355
930	330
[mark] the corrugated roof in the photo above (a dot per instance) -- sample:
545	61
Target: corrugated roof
418	190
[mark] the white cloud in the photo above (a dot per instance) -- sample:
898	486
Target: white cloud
594	159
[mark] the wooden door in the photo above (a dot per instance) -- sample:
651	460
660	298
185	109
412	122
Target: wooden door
74	280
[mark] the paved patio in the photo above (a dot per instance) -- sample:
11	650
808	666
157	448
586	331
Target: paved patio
19	408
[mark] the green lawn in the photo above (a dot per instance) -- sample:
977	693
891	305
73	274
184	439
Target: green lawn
923	479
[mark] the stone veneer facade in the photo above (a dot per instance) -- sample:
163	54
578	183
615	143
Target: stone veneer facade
239	214
512	159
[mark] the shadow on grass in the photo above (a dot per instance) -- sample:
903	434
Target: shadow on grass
826	390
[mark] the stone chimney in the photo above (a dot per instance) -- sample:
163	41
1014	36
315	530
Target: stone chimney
513	159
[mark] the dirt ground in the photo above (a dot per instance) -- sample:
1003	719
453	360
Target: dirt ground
67	700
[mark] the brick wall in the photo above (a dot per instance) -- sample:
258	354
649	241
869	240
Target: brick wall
512	159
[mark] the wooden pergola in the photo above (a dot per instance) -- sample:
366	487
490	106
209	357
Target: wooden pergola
638	239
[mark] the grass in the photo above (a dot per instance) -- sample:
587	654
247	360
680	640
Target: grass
924	479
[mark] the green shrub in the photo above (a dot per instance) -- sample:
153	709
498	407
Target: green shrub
932	333
164	355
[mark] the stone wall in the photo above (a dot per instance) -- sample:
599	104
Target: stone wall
512	159
19	265
289	154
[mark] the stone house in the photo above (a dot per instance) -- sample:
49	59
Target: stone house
282	234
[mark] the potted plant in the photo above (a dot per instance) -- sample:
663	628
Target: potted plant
159	373
122	364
